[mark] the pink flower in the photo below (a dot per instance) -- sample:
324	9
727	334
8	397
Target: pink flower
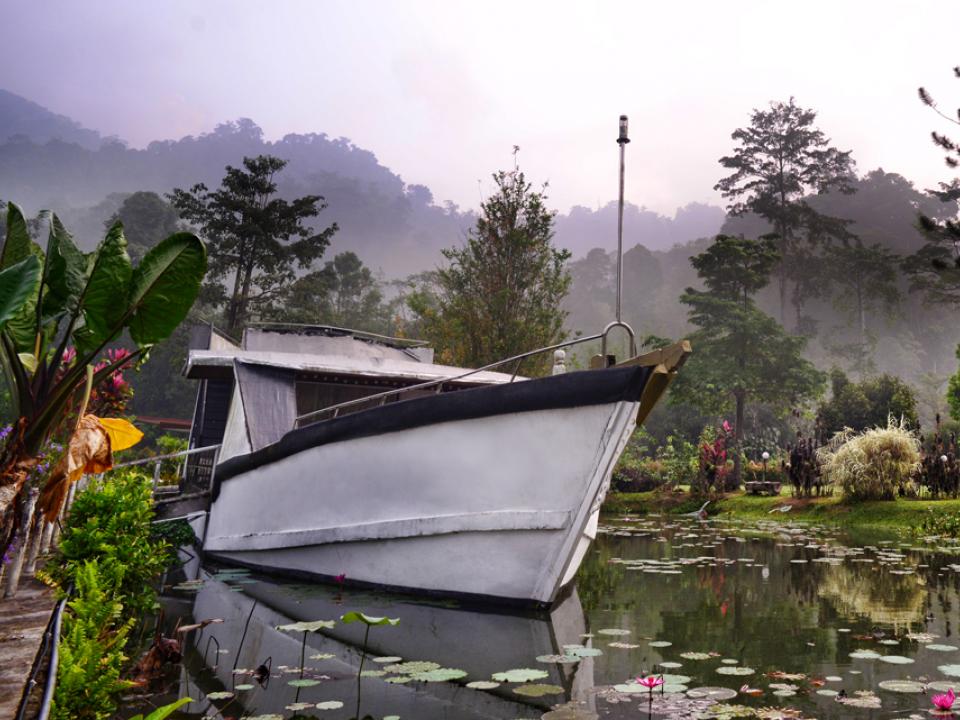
118	354
340	578
650	682
68	355
944	702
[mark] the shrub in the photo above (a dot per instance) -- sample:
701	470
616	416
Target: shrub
874	464
753	471
110	523
91	649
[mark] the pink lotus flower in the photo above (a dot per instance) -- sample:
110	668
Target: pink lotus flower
68	355
340	578
650	682
944	702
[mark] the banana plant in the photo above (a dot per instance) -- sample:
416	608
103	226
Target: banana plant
67	298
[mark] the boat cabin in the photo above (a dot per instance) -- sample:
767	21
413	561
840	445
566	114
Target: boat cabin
253	392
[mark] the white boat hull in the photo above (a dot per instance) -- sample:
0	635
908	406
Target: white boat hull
501	506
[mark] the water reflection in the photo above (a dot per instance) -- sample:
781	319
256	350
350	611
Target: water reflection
788	607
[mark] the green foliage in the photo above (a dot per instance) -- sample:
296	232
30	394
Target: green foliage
146	219
110	522
874	464
953	391
644	466
91	648
257	240
500	294
866	404
88	300
741	353
344	293
165	711
939	523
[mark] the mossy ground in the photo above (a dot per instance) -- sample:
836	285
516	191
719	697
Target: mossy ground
901	515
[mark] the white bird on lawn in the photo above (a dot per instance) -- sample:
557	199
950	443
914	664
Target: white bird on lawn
782	509
700	514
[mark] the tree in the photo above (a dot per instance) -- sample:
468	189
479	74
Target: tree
256	239
74	307
866	404
865	278
741	354
500	294
147	219
782	158
935	268
344	293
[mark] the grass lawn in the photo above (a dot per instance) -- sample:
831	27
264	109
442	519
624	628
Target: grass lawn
901	515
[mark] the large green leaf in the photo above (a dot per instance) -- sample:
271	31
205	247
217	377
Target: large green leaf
18	283
17	246
164	286
355	616
64	272
103	301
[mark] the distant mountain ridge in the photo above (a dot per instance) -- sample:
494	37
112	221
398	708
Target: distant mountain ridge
19	116
49	161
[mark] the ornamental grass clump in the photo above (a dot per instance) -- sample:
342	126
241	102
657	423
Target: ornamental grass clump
873	464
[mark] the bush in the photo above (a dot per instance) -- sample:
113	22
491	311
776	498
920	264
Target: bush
91	649
753	471
110	523
874	464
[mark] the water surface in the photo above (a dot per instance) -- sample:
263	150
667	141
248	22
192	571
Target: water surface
799	616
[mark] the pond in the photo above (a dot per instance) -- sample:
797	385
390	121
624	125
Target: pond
759	620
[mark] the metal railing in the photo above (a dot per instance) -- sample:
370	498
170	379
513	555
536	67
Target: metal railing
193	468
381	398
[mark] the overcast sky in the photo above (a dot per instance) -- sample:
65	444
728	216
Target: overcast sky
441	90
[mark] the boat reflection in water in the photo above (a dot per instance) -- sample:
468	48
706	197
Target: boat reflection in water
476	640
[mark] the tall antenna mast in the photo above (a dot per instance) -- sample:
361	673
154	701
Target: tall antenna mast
622	141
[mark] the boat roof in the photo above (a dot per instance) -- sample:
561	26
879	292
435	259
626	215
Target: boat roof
324	350
220	363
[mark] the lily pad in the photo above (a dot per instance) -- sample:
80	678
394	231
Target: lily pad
243	686
670	665
717	694
329	705
735	670
950	670
695	656
439	675
321	656
538	690
398	679
902	686
582	652
297	706
558	659
388	659
354	616
941	648
219	695
311	626
865	655
896	660
412	667
942	686
482	685
520	675
304	682
660	643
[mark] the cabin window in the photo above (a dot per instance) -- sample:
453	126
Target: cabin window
318	395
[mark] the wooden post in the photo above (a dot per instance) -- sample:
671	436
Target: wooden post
16	565
36	535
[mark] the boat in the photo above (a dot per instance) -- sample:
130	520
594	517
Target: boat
357	457
354	456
